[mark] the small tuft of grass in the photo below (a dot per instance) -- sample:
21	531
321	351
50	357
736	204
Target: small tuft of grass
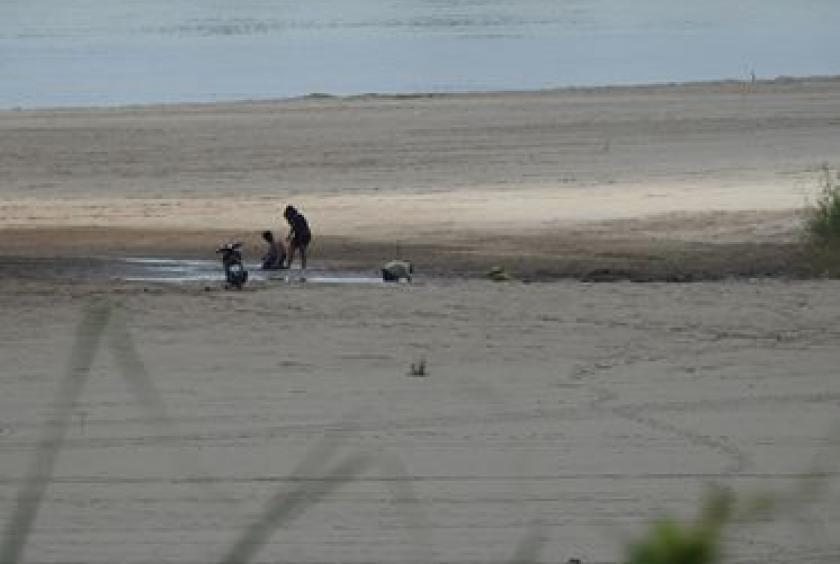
418	369
499	274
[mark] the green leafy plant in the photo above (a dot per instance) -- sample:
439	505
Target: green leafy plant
671	542
822	223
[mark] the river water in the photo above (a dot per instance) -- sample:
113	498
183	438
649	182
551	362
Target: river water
116	52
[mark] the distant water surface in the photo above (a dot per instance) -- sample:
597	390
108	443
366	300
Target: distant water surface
115	52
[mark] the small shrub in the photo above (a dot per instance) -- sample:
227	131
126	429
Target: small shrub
822	227
822	223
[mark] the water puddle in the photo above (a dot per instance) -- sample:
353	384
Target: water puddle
181	271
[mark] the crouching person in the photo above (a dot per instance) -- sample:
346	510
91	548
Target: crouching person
396	270
275	258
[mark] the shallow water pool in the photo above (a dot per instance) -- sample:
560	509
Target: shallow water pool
180	271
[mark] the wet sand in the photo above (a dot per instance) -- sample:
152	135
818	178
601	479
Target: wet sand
572	411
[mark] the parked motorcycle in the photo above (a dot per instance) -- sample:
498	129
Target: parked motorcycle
235	273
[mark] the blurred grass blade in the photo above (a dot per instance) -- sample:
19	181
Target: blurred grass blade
415	518
134	371
528	549
142	387
285	507
87	340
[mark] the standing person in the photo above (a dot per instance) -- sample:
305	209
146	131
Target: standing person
299	235
275	258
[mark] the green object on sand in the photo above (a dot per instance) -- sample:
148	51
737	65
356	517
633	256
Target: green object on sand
498	274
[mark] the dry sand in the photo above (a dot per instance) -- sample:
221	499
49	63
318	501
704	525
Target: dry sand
575	412
580	411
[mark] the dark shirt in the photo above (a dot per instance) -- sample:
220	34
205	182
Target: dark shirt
300	228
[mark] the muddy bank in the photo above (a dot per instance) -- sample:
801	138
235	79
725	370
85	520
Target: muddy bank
109	253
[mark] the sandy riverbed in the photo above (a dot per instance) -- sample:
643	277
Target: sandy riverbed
574	411
537	180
